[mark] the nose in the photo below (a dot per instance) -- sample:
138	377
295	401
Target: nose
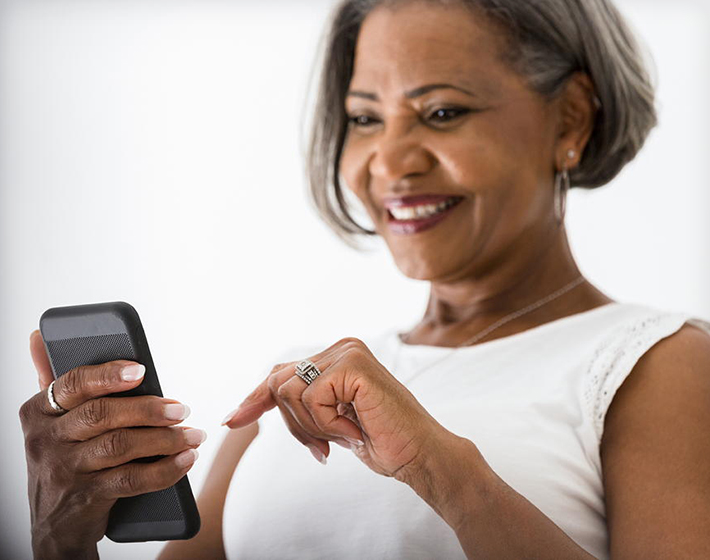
397	154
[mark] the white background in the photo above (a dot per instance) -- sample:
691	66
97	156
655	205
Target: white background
150	152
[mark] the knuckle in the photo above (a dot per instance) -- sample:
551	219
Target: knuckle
114	443
355	352
351	342
126	481
103	377
278	367
94	412
73	381
308	397
283	392
273	384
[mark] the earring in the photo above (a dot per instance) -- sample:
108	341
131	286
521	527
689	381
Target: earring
561	188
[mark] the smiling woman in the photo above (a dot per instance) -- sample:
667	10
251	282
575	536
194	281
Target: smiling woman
460	126
527	414
539	47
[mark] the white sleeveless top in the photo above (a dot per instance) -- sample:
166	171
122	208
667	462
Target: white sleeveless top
534	403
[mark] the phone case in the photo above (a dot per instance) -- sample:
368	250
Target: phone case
92	334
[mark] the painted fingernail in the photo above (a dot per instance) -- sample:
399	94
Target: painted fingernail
195	436
176	411
132	372
186	458
354	441
317	454
229	416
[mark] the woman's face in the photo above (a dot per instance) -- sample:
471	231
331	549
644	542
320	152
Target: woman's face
494	146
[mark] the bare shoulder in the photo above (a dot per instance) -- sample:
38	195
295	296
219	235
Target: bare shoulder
655	452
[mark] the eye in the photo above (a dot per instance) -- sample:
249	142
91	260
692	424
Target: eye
360	121
440	114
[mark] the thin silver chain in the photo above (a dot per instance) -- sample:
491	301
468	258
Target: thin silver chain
573	284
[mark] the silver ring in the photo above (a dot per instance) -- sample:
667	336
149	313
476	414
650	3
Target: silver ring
52	402
307	370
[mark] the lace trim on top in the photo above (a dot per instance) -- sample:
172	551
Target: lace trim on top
616	356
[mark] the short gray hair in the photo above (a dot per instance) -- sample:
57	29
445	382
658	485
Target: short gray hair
548	41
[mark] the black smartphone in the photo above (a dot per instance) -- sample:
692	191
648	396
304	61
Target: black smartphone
95	333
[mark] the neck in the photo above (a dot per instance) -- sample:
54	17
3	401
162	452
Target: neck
459	308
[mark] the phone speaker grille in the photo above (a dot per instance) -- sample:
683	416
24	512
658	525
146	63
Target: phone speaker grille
89	350
69	353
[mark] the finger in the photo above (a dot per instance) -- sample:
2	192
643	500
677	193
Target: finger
259	400
132	479
121	446
82	383
302	424
41	360
321	400
319	448
290	395
100	415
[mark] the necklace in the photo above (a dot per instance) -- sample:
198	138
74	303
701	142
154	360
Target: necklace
500	322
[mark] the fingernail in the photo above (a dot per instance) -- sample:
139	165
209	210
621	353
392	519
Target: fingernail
240	408
176	411
229	416
317	454
132	372
195	436
354	441
186	458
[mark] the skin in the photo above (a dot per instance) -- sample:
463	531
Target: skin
502	158
77	462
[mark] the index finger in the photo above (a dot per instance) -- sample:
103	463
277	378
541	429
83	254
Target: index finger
261	399
83	383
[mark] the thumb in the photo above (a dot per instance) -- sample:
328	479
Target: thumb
41	360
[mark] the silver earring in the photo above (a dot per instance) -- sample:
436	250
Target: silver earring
561	188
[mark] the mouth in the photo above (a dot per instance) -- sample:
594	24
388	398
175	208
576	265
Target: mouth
411	216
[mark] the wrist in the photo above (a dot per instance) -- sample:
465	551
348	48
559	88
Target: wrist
451	476
50	548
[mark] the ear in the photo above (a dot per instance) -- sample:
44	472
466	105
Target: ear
577	115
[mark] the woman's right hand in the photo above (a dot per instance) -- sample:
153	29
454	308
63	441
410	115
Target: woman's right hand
78	462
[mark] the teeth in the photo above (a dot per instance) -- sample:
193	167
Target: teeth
421	212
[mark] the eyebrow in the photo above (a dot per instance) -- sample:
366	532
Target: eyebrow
417	92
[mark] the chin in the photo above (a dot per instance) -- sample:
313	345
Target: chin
419	269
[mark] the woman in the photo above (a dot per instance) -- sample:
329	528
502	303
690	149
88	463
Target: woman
459	126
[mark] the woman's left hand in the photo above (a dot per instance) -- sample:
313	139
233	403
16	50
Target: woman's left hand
355	397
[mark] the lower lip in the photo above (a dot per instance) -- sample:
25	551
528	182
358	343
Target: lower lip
408	227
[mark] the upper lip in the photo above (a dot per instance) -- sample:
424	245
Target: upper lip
415	200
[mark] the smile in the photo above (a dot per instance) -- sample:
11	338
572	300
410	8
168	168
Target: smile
413	219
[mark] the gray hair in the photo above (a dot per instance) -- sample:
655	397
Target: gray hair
548	41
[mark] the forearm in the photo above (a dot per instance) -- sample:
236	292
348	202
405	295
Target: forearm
491	520
51	549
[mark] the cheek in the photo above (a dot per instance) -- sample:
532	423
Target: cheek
499	156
